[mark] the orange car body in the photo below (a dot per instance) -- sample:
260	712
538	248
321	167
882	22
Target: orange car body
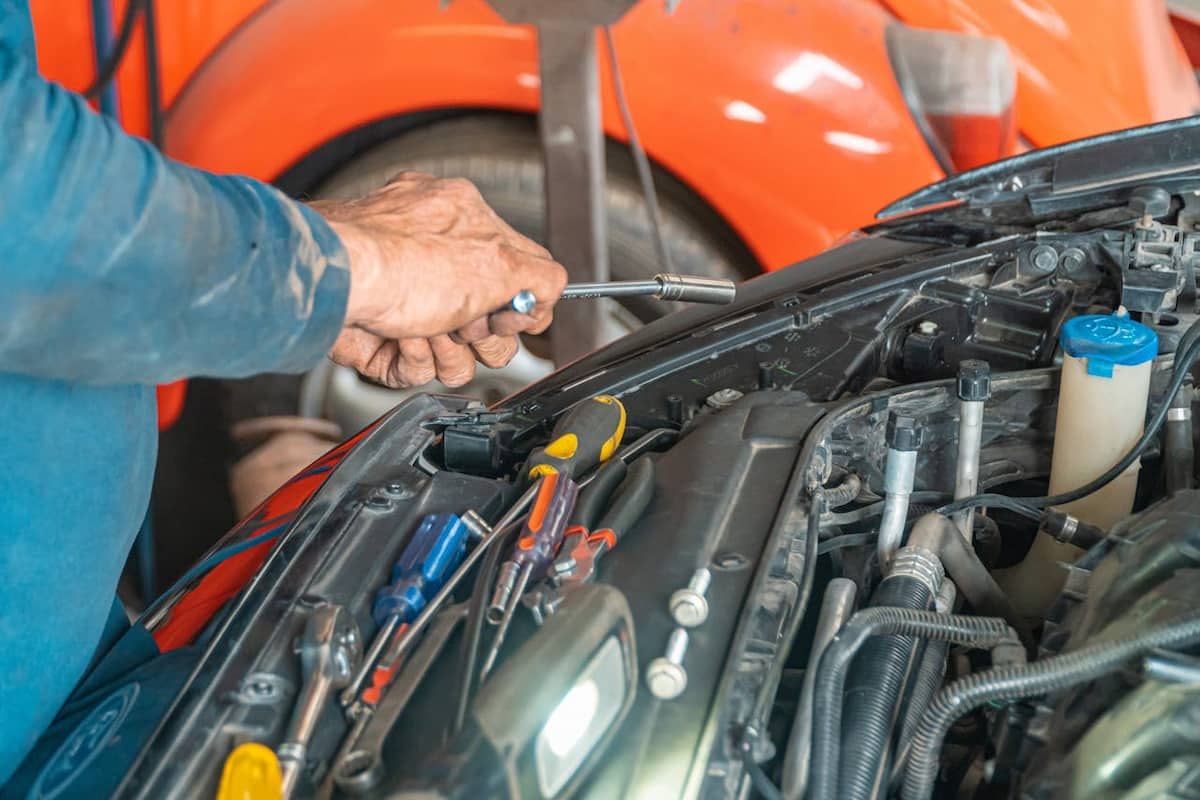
785	117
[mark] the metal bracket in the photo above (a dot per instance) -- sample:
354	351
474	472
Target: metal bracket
573	147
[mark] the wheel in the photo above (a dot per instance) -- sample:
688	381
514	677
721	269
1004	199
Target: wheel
501	154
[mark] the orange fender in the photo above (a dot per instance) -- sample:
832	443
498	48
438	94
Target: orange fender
785	117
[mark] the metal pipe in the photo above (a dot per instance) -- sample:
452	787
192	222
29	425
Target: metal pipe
663	286
836	607
904	439
974	388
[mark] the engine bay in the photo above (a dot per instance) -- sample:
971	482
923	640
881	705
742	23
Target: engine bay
843	565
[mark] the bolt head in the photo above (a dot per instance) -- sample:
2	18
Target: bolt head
1072	259
723	398
665	679
927	327
523	302
1044	258
688	607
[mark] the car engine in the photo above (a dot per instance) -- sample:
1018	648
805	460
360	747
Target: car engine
859	564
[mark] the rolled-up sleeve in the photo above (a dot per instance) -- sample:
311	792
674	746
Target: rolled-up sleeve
118	265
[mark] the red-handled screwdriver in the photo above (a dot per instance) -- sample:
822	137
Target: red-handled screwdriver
532	554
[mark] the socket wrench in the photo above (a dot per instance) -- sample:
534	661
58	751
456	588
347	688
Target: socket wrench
664	286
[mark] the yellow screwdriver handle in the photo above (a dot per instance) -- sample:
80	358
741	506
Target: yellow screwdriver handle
584	437
251	773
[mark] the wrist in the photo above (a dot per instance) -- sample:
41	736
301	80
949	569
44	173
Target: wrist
362	304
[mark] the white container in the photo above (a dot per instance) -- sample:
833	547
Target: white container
1102	400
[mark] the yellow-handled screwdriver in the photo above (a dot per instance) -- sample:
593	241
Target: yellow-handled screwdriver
584	437
251	773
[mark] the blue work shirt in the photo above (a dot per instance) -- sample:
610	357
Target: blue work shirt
119	269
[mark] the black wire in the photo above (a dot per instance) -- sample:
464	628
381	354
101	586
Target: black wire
640	161
153	83
1185	359
846	540
108	70
866	512
762	782
475	617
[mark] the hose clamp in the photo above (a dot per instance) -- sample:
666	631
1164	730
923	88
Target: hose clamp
920	565
1179	414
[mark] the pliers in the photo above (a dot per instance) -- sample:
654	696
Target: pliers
622	493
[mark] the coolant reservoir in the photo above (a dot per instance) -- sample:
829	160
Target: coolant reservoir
1102	399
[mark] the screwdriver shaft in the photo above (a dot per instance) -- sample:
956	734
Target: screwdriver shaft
509	612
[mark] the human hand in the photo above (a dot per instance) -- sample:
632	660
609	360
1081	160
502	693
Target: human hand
430	266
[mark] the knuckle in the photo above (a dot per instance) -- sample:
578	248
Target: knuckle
410	175
460	187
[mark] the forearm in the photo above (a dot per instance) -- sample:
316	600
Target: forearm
122	266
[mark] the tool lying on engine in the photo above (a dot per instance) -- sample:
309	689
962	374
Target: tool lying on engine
329	651
585	437
358	767
623	502
531	555
663	286
437	547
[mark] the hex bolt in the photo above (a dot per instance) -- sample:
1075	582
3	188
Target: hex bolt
665	677
1043	259
688	605
722	398
1072	259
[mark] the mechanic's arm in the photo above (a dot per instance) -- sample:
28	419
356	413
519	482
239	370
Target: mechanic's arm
120	265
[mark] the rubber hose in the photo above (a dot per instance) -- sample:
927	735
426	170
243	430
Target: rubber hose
939	535
930	672
831	672
844	493
836	607
1017	682
925	685
469	649
1179	454
874	689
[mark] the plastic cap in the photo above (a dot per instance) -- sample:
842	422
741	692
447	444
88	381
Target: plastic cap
1107	340
903	432
974	380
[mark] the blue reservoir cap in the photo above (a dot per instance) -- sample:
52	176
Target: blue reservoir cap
1105	340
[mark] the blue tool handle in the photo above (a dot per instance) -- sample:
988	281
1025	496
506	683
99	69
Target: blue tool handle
431	555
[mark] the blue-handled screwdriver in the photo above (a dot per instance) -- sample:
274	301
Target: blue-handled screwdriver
428	559
434	552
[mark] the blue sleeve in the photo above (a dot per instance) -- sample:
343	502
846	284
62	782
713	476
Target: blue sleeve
118	265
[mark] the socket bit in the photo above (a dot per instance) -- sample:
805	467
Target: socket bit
664	286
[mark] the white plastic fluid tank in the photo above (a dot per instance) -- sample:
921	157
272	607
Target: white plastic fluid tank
1102	398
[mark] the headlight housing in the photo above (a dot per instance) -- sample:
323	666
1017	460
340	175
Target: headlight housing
544	718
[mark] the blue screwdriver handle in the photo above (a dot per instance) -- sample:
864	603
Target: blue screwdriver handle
427	560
